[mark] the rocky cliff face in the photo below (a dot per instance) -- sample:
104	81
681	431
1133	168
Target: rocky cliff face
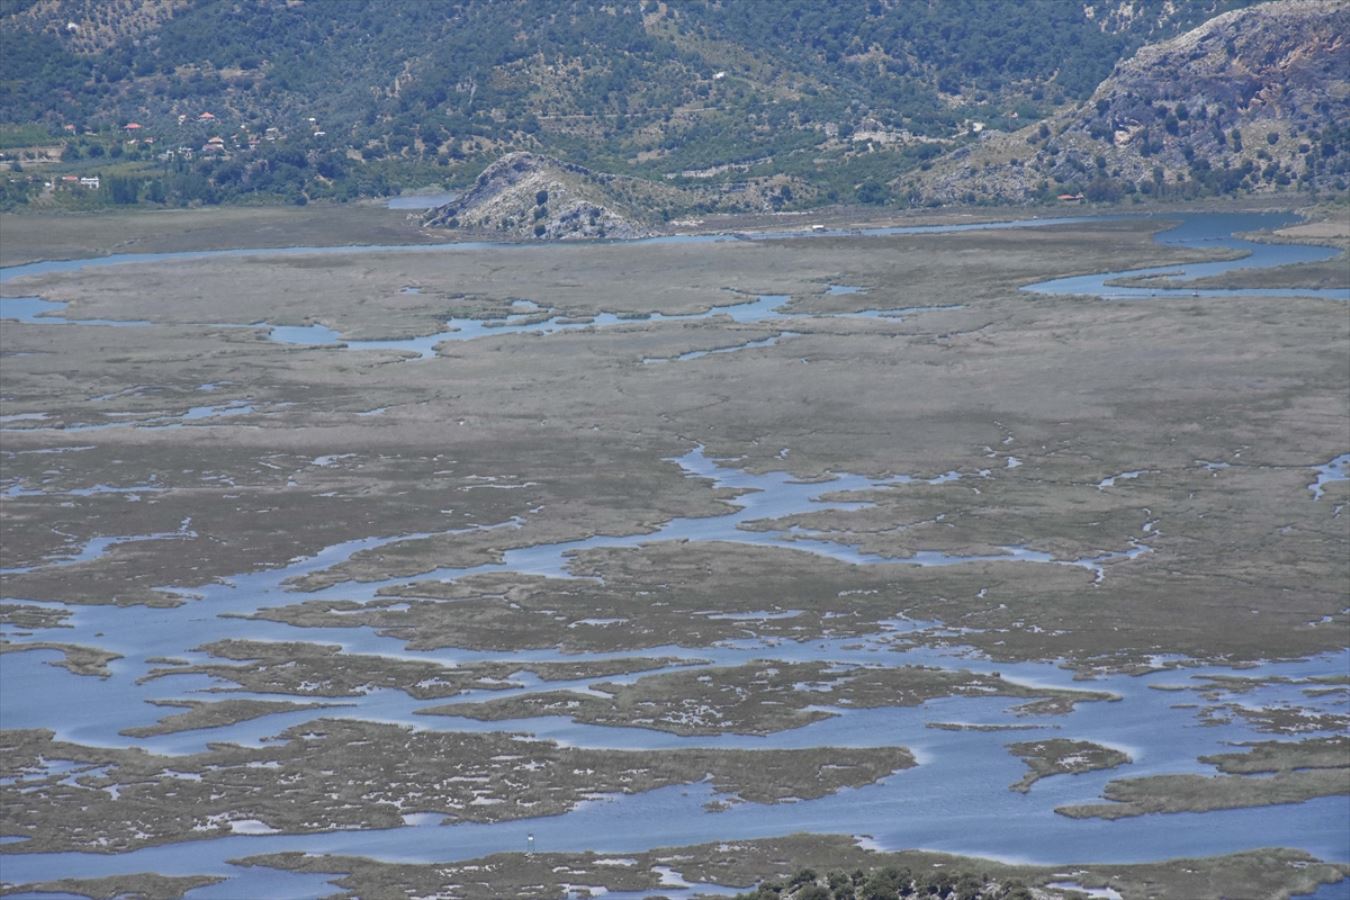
1251	100
533	197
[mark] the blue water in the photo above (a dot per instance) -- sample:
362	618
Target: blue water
1195	230
1192	230
1205	231
1337	469
36	311
45	267
421	201
956	799
1338	891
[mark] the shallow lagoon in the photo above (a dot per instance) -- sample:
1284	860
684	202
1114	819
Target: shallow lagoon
1218	231
1193	230
955	800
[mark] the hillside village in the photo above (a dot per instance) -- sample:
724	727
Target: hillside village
78	160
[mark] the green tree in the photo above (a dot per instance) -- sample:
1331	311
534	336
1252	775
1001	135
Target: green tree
121	190
873	193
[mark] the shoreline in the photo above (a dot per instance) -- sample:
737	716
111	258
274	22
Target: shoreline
111	232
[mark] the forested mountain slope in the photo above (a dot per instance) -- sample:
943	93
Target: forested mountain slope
1254	99
748	104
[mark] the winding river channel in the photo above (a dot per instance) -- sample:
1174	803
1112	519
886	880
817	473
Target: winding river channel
955	800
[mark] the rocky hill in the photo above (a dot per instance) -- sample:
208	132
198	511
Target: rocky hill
1251	100
529	196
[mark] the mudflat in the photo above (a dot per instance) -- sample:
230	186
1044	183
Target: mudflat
911	475
38	236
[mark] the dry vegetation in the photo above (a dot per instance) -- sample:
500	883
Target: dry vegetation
512	441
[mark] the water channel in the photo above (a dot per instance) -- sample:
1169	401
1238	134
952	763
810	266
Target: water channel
956	800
